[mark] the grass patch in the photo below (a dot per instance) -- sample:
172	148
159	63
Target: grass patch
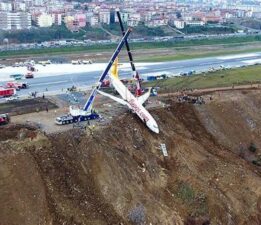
193	55
142	45
223	78
194	201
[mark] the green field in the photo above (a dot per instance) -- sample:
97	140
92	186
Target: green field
232	41
193	55
222	78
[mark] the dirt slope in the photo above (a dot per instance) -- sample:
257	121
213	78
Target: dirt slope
118	174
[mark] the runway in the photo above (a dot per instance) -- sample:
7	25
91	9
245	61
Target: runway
61	82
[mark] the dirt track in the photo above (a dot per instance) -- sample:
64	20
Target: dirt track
118	174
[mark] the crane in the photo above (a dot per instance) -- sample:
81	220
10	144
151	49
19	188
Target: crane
135	73
86	113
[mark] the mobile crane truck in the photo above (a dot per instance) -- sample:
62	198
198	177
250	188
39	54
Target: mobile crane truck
87	113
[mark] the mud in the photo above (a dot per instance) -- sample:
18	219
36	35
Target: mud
118	174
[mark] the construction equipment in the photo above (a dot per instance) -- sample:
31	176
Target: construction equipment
87	113
135	73
7	92
4	119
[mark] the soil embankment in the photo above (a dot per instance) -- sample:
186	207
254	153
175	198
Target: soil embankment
118	175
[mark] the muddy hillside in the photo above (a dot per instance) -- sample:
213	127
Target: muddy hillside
118	174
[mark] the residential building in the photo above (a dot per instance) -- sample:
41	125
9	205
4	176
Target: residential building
104	17
195	23
80	20
94	20
156	22
20	6
44	20
5	6
68	20
125	17
134	20
57	18
15	20
180	24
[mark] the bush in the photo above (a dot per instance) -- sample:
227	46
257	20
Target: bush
252	147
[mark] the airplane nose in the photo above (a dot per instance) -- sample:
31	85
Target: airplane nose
156	130
153	126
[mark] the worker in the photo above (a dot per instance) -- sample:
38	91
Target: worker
47	108
43	96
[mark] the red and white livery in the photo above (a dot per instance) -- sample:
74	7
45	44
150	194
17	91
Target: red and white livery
134	103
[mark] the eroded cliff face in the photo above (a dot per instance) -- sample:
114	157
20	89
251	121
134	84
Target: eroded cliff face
118	175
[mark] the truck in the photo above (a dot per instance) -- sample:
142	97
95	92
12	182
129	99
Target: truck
7	92
17	76
86	112
29	75
67	119
17	85
4	119
157	77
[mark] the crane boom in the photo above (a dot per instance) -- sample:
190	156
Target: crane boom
88	104
134	71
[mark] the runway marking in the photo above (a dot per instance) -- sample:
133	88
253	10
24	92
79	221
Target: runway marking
237	56
130	70
48	83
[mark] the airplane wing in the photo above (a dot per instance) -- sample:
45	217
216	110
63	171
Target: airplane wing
143	98
119	100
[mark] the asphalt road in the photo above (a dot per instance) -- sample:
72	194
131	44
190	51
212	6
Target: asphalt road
57	83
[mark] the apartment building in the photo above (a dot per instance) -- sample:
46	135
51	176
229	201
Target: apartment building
44	20
5	6
104	16
15	20
57	18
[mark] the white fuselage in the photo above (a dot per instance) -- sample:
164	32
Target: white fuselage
134	104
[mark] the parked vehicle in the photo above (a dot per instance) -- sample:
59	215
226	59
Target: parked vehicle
17	76
29	75
66	119
86	61
76	62
7	92
12	99
17	85
4	119
157	77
